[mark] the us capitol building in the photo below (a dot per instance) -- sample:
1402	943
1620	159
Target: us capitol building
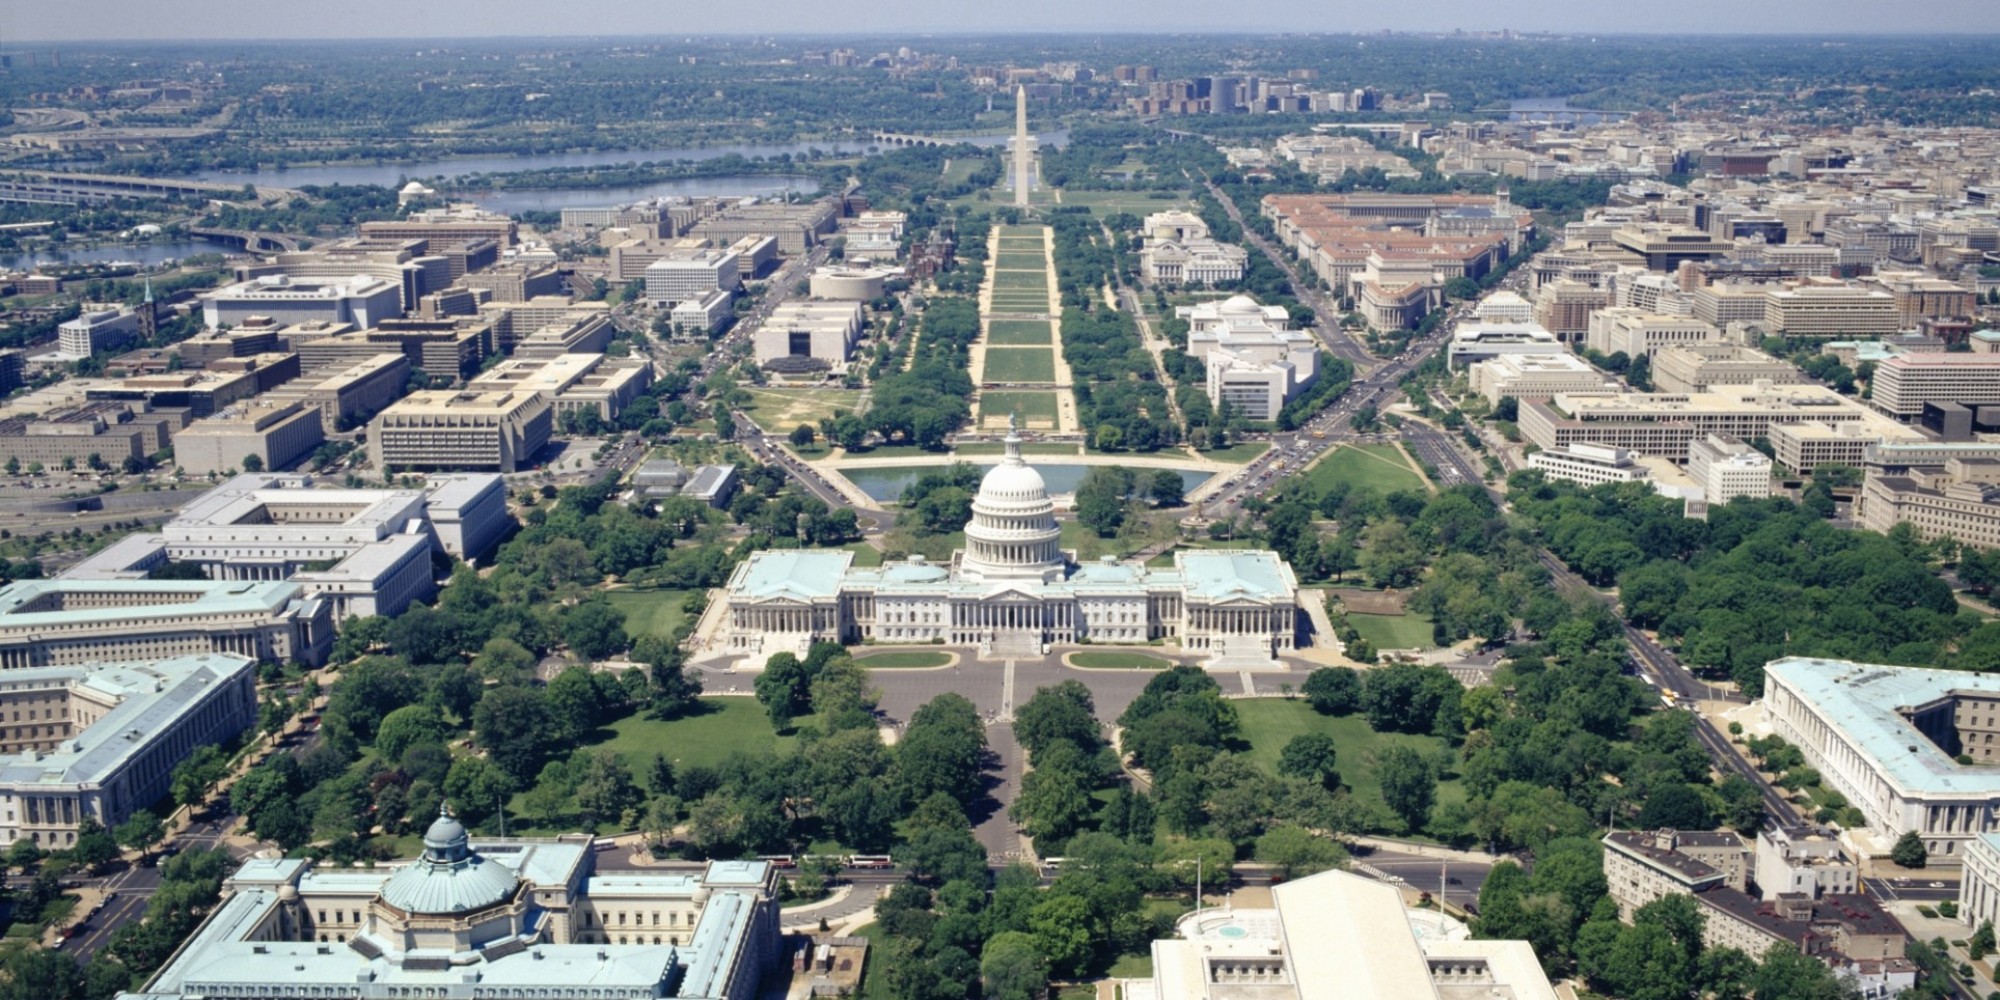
1013	591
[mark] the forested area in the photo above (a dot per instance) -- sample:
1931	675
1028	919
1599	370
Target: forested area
1120	403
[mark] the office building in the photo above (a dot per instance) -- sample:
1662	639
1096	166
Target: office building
1472	343
66	621
630	258
482	919
690	274
1889	738
516	282
1725	468
362	301
448	349
1829	311
404	263
1335	936
1663	246
205	392
1255	361
109	737
1636	333
1959	499
348	395
591	335
513	321
702	316
1012	591
1904	383
1719	305
820	331
1590	464
1564	307
115	433
1192	262
1698	367
1505	307
1979	886
275	434
857	284
1536	376
92	332
754	255
797	227
1804	860
443	228
572	382
1663	424
461	431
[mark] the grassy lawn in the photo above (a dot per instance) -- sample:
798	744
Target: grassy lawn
892	451
1020	281
649	612
728	726
1019	304
1030	448
1030	405
1009	332
1119	661
903	660
1020	260
1394	631
1020	364
866	556
1269	723
1138	203
780	410
1238	453
1377	467
1020	232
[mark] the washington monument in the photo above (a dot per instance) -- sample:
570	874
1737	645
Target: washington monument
1024	156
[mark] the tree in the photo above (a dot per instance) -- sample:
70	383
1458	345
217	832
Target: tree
1981	941
943	749
1012	967
1310	756
140	831
1295	852
252	463
408	726
1676	806
1333	690
1062	928
1168	489
803	435
24	854
1909	851
1409	784
607	789
594	629
1063	712
1786	973
1100	499
784	688
95	846
515	726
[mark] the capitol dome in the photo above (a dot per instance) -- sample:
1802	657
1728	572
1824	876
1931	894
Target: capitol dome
1013	534
449	877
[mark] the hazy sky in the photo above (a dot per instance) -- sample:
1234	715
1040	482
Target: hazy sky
85	19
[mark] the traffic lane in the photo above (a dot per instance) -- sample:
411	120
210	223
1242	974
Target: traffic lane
1915	889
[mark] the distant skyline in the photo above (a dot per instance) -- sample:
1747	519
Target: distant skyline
239	20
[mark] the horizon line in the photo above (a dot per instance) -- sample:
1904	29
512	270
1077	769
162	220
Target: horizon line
1453	34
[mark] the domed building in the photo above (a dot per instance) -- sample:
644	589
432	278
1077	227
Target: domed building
500	919
1253	360
1013	591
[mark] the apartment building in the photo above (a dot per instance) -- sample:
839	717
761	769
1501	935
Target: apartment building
1698	367
1532	376
274	433
1643	866
461	430
109	737
1904	383
1804	860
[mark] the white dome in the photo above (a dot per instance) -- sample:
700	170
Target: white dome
1010	484
1013	533
1240	304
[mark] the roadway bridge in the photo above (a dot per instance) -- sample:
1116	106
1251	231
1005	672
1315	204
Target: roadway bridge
43	187
251	240
906	139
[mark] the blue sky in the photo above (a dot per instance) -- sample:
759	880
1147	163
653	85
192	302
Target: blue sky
473	18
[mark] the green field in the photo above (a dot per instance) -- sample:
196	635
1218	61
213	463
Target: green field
1020	364
866	556
1018	232
1119	661
729	725
1269	723
1238	453
1018	332
1020	260
1020	281
1377	467
1394	631
650	612
1138	203
903	660
1030	405
780	410
1030	448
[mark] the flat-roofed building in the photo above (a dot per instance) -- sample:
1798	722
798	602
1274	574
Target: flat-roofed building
680	276
441	349
1960	499
516	320
713	485
1254	360
590	335
1698	367
1979	887
276	434
1726	468
461	431
824	331
346	396
1475	342
67	621
797	227
1889	738
1590	464
440	229
1174	224
1534	376
204	392
754	255
859	284
1721	304
361	300
1641	867
630	258
1564	307
516	282
1804	860
703	315
1663	424
1334	936
1904	383
1192	262
115	432
1505	306
572	382
1636	332
109	737
1663	246
1829	311
92	332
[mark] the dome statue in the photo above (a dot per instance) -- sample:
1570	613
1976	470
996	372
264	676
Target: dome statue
1013	534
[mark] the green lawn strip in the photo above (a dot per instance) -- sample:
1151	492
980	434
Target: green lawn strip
1020	364
866	556
1394	631
1033	332
649	612
1019	281
1119	661
891	451
1030	448
1238	453
1267	724
1027	404
780	410
1366	467
1020	260
902	660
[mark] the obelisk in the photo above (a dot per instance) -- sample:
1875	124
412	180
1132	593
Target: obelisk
1024	163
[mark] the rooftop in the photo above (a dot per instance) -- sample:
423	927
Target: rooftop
1862	701
150	696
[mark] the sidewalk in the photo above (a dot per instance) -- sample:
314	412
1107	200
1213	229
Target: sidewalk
1428	850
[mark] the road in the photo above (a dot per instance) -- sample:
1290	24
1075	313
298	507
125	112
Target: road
1328	313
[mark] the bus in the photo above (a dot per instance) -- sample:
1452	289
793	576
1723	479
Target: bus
1053	865
870	861
779	860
